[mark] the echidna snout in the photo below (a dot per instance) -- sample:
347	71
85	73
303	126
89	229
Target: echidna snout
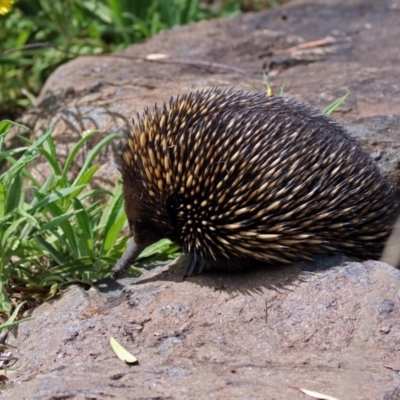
237	178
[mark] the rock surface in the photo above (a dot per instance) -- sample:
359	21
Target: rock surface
224	336
319	50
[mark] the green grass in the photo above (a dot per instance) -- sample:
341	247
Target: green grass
57	232
37	36
335	104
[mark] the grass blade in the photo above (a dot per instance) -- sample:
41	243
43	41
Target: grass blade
93	154
333	106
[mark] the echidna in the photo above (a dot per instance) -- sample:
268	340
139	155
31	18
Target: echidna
238	178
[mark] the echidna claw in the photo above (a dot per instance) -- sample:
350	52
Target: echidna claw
193	266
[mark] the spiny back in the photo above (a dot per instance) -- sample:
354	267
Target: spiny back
237	177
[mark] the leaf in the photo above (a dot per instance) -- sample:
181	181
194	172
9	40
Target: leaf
114	218
52	291
122	353
53	252
84	179
267	84
2	200
111	235
51	160
162	246
7	370
5	126
86	228
317	395
11	152
156	56
56	222
72	154
59	194
66	234
29	155
5	303
15	194
92	155
115	195
11	321
10	231
333	106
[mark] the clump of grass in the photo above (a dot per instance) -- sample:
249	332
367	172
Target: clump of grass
61	233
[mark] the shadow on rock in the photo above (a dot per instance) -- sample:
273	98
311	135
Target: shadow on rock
253	280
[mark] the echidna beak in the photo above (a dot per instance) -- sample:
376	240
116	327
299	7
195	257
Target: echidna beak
131	253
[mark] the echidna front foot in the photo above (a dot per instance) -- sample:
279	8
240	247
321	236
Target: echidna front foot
193	265
131	253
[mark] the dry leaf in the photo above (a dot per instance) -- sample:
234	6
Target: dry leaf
156	56
122	353
317	395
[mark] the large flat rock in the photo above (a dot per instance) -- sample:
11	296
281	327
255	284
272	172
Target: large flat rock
223	336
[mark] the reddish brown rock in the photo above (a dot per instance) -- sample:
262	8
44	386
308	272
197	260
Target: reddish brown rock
248	335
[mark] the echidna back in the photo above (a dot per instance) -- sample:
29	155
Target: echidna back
238	178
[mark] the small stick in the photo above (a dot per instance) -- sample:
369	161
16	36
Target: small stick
307	45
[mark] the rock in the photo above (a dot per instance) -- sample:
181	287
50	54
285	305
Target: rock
245	335
318	50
